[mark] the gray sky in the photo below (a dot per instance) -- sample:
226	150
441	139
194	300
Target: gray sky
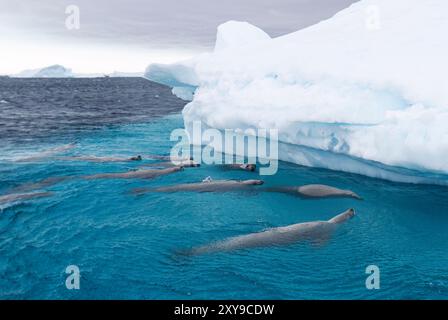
127	35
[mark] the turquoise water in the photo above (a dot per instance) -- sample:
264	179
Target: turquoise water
125	246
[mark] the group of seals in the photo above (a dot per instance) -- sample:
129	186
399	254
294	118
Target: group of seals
306	191
306	231
313	230
25	191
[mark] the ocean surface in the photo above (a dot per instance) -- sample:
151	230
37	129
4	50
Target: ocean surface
127	246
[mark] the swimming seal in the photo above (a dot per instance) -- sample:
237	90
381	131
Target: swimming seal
206	186
139	174
311	231
315	191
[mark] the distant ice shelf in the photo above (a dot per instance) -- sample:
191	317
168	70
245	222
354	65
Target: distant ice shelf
363	92
58	71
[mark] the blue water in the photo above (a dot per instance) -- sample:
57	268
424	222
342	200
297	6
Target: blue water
125	246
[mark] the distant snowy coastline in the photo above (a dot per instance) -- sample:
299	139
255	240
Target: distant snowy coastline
58	71
362	92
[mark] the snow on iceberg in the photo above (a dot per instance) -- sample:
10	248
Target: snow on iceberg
362	92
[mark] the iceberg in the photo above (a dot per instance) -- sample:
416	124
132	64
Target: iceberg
362	92
58	71
54	71
180	76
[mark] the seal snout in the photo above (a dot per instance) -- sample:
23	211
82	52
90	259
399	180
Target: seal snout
248	167
251	167
351	212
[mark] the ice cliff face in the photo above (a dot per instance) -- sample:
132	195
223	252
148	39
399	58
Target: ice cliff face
363	92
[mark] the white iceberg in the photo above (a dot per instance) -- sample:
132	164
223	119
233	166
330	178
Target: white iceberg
362	92
58	71
54	71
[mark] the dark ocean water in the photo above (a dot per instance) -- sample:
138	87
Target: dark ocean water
32	109
126	246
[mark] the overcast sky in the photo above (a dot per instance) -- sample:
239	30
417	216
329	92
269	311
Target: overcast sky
127	35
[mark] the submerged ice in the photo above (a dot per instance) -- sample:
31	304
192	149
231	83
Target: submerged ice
363	91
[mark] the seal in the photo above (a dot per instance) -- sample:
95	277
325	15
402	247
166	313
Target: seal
100	159
14	197
183	163
47	182
168	158
244	166
306	231
315	191
139	174
208	185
